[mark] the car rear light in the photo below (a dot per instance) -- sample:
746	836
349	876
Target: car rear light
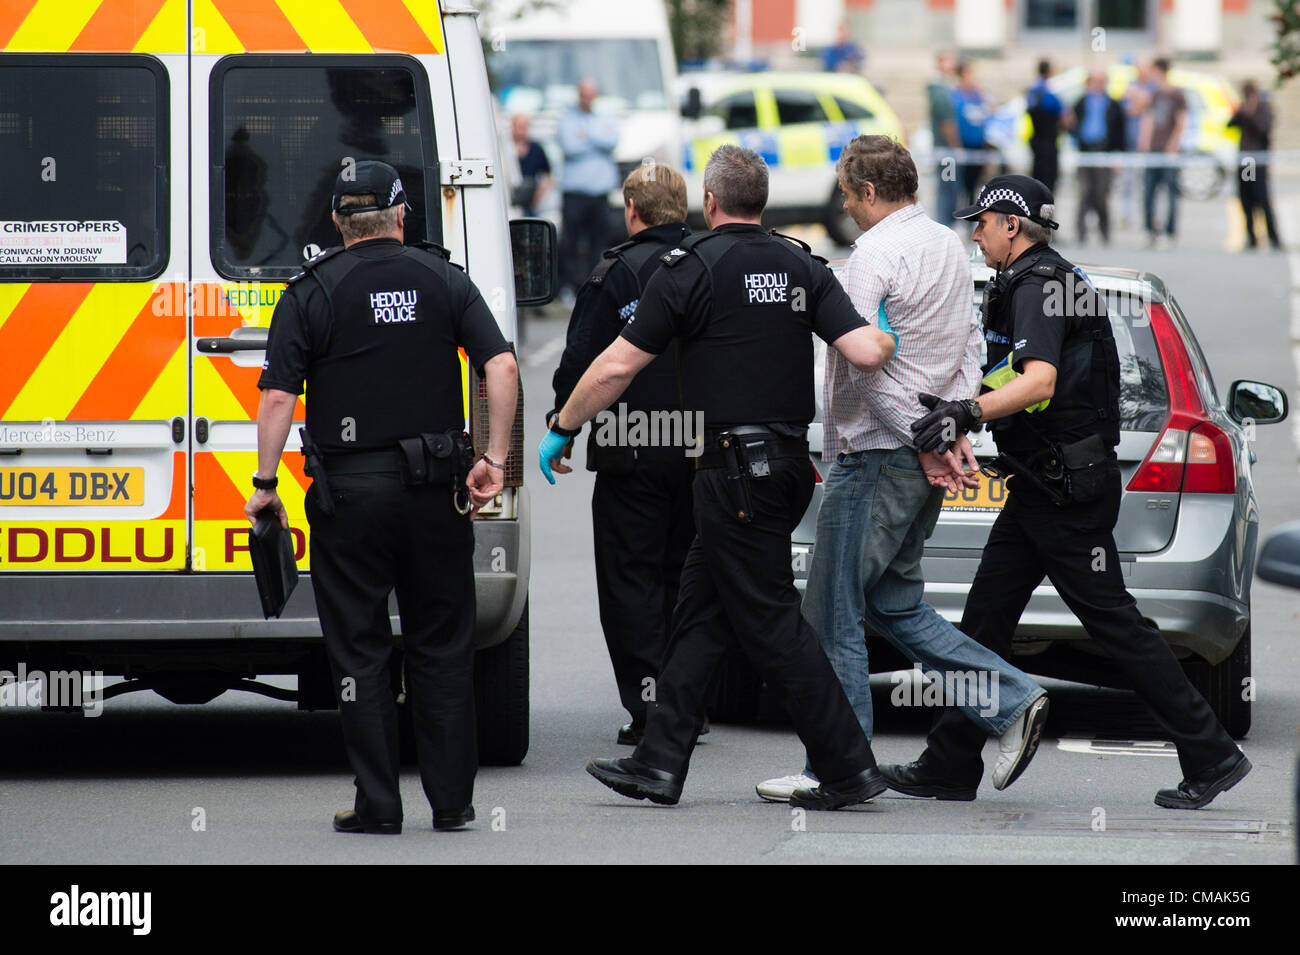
817	474
1210	465
1192	453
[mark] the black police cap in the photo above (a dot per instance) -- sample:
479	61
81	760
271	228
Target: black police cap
1014	195
369	177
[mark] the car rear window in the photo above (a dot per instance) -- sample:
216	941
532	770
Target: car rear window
84	151
282	131
1143	394
798	106
852	110
737	111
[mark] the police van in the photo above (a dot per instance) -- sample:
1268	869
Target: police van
168	166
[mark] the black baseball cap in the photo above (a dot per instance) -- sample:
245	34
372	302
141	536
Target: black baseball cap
1015	195
369	177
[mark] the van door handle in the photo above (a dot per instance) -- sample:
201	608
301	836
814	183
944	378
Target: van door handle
241	339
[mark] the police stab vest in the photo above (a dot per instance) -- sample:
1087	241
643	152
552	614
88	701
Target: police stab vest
752	362
389	366
1086	398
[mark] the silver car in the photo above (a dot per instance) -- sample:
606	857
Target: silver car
1187	528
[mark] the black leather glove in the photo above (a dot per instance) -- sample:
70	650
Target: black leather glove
940	428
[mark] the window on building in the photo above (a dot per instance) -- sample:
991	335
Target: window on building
1051	14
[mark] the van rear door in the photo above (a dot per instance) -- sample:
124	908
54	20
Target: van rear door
94	381
272	129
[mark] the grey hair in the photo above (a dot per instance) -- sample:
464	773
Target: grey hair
365	225
737	177
1033	231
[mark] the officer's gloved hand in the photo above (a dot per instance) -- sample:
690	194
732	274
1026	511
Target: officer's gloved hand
549	450
945	423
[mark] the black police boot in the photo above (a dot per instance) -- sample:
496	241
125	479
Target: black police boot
636	780
348	821
1198	792
867	784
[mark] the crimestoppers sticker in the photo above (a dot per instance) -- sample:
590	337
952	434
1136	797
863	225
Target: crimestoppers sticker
63	242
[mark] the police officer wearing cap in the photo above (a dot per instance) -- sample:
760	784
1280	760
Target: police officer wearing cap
641	506
372	327
743	305
1051	391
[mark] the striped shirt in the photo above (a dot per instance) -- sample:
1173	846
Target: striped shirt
916	271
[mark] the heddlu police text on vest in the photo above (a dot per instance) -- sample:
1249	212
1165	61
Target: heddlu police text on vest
394	307
766	287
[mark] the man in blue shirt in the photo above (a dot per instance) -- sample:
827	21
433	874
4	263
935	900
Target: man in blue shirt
1099	127
587	140
972	113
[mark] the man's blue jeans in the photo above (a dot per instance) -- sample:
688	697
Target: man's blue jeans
877	511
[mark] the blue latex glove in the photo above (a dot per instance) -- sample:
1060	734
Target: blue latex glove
552	447
882	322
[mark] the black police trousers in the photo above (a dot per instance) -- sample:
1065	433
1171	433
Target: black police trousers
385	536
642	525
738	580
1074	546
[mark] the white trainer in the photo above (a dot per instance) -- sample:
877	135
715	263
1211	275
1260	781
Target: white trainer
1017	745
783	787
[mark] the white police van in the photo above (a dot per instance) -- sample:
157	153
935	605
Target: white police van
169	166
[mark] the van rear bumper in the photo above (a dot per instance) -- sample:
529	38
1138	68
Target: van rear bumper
52	608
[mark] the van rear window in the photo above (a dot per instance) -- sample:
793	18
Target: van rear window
281	133
84	150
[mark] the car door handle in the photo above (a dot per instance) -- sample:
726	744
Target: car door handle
242	339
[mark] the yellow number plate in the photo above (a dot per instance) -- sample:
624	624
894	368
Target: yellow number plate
989	496
71	487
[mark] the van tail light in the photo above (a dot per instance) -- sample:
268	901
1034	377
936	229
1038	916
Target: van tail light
1192	454
817	474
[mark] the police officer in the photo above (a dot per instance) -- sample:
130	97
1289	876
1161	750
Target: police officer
1051	389
743	305
641	506
373	327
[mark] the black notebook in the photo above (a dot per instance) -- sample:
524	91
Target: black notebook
273	565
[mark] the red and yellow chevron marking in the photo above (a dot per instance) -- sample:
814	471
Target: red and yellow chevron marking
85	26
157	544
224	391
222	26
92	352
221	487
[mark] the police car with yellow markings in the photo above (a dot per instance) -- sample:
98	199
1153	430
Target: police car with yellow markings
168	168
798	123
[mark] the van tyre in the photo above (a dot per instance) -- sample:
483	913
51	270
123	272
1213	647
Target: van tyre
501	698
1225	684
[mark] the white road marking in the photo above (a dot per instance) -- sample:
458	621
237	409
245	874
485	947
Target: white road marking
1118	747
545	354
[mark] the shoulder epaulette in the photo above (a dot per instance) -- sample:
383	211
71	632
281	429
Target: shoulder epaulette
314	261
685	247
607	261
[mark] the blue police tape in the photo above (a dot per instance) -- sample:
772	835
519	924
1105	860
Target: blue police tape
551	447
